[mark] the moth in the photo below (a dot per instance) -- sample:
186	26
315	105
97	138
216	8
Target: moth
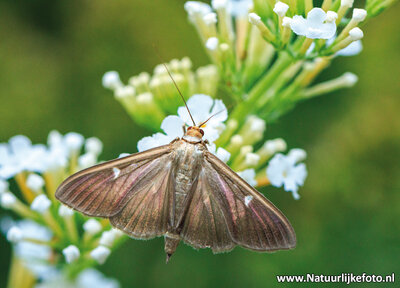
183	192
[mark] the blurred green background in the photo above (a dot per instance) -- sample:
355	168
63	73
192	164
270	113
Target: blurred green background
53	55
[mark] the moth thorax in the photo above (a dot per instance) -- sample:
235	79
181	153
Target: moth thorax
195	132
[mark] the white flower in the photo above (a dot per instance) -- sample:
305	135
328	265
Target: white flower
35	182
221	153
251	159
93	278
249	175
71	253
171	125
86	160
100	254
107	238
15	234
35	256
315	26
20	155
356	34
274	146
239	8
196	8
297	155
92	226
203	107
73	141
93	145
111	80
212	43
65	211
281	8
283	170
7	200
354	48
41	204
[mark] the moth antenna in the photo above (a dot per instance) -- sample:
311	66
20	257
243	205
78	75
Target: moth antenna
202	123
176	85
180	93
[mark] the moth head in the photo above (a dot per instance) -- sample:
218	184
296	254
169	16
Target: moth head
194	131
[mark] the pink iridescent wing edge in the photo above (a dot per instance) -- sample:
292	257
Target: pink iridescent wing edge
104	189
254	223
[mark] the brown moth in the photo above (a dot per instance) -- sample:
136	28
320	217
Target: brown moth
183	192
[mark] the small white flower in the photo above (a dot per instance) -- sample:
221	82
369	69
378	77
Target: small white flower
15	234
219	4
240	8
203	107
127	91
212	43
251	159
111	80
281	8
237	140
297	154
359	15
35	256
20	155
7	200
3	186
331	16
71	253
196	8
41	204
93	145
100	254
210	18
254	18
347	3
35	182
274	146
171	125
249	175
283	170
92	226
107	238
74	141
354	48
315	26
65	211
86	160
221	153
286	22
356	34
122	155
350	79
93	278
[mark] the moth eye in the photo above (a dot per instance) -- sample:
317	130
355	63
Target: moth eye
202	132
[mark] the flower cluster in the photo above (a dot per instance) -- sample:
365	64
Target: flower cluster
148	99
51	241
269	54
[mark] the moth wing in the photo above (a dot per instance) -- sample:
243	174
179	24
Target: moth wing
103	190
246	216
149	210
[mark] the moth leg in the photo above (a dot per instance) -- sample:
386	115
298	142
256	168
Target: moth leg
184	129
206	142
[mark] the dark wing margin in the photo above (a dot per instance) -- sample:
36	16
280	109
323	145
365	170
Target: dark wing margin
240	214
103	190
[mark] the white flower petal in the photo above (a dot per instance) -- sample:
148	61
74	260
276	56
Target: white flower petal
299	25
222	154
100	254
94	278
71	253
249	175
20	143
353	49
41	204
220	108
316	16
172	126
